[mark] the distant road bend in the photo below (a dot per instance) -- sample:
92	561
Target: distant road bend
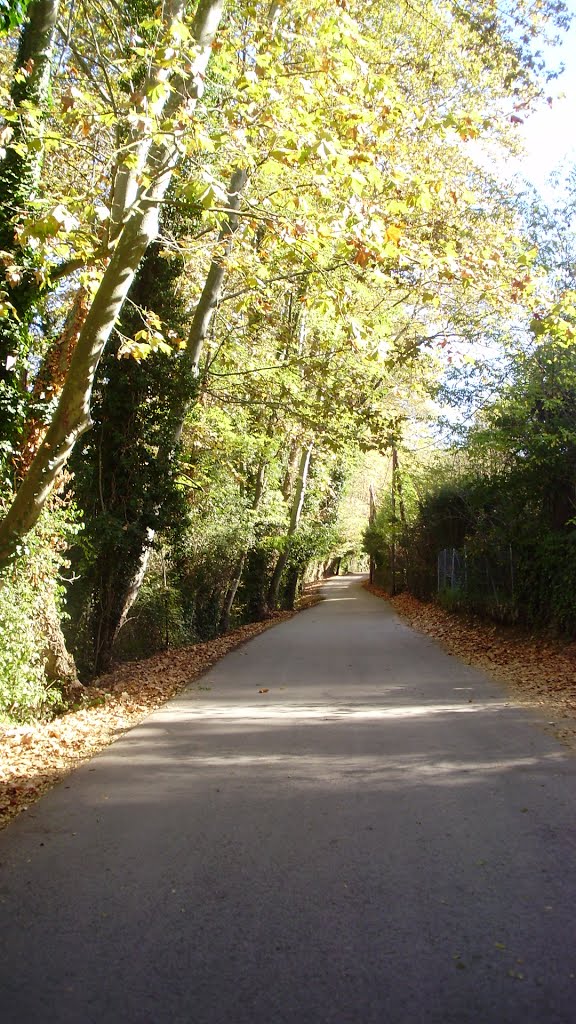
380	838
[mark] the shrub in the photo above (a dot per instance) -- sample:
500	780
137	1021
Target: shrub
27	589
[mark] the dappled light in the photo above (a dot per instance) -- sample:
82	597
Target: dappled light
285	712
318	772
343	804
287	368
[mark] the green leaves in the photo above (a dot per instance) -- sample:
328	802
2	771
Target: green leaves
12	14
558	322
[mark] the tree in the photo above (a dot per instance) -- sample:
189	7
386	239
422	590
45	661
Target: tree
139	226
358	212
347	158
20	171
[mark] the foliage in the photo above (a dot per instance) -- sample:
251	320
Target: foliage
12	14
366	239
505	498
122	485
26	590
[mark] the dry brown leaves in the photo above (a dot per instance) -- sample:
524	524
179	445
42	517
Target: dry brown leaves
34	757
539	671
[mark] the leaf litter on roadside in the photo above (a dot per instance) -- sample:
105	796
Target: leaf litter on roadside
34	757
540	671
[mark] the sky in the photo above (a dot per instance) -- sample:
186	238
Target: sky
550	139
550	134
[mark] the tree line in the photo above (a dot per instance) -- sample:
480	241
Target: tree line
487	521
232	238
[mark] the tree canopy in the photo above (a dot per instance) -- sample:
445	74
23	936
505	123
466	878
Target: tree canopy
235	240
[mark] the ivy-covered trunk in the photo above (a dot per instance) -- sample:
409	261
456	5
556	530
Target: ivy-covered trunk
148	499
20	168
236	580
126	493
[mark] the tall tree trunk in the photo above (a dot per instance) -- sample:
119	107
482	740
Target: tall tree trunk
295	513
19	177
58	662
125	191
211	293
120	592
20	172
224	624
50	380
118	483
239	568
372	520
72	416
393	500
118	588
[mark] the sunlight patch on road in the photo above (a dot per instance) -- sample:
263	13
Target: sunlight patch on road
271	713
311	770
372	772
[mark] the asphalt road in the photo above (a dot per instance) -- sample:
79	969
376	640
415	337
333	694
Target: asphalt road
380	837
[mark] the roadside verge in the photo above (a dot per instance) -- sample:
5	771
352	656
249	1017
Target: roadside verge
33	757
538	671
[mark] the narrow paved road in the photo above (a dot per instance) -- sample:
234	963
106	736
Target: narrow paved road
378	839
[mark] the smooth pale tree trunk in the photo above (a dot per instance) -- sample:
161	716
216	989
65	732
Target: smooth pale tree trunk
125	191
224	624
211	292
190	361
295	514
72	416
294	454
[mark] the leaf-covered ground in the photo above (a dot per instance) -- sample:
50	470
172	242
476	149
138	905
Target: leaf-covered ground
539	671
34	757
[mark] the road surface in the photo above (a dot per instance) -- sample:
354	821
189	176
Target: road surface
380	838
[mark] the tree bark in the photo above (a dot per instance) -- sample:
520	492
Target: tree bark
50	380
20	172
393	542
72	416
372	520
19	177
224	624
211	292
125	191
58	663
117	595
126	590
295	513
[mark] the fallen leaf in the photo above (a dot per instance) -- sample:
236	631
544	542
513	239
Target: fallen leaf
33	759
538	671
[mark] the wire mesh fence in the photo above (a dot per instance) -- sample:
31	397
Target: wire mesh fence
452	570
483	580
